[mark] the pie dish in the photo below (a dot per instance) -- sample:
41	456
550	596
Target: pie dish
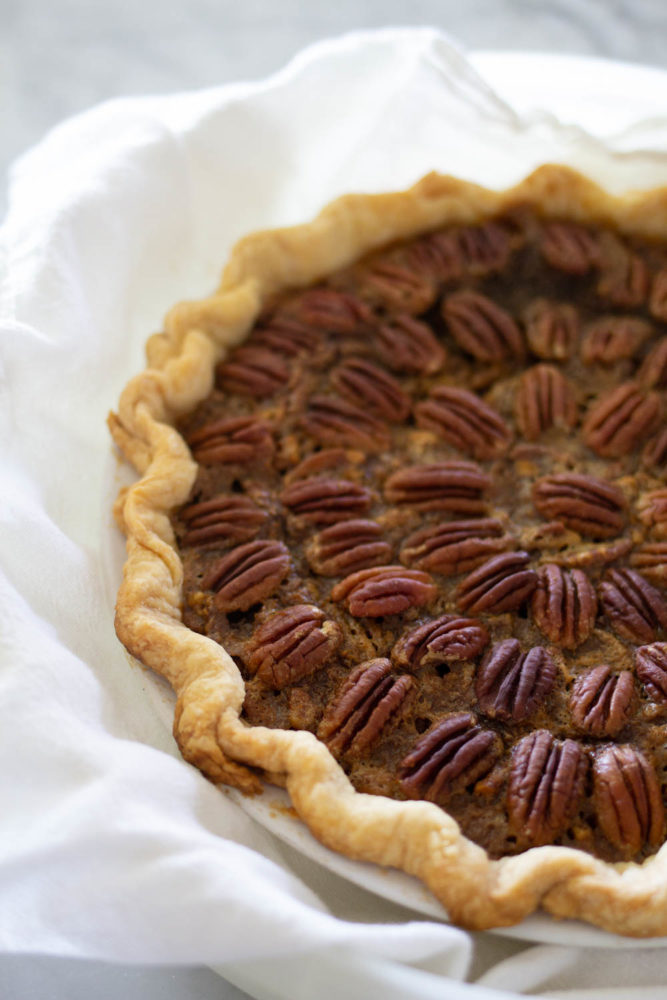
403	551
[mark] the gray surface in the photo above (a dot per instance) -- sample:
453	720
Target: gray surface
58	57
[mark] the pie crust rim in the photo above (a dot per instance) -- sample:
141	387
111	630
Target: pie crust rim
416	836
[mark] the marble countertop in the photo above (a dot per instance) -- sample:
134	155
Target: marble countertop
57	59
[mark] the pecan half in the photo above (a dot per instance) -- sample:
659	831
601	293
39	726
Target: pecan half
564	605
248	574
545	786
544	399
510	684
452	755
588	505
653	371
456	486
624	276
569	247
650	559
283	335
634	607
397	287
552	329
291	645
364	382
234	441
481	327
440	640
321	500
348	547
484	249
438	255
384	590
651	669
254	371
221	519
627	798
405	344
601	701
500	584
368	701
621	419
328	309
654	455
454	547
652	508
465	421
613	338
658	299
334	421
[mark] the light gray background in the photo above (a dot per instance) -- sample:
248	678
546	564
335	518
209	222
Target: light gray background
58	57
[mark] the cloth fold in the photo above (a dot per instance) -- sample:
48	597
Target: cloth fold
110	846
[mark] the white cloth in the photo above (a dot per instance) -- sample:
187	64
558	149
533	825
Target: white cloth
111	846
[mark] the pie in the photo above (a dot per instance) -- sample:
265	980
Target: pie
400	538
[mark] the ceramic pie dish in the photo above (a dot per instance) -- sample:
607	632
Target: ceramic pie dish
398	544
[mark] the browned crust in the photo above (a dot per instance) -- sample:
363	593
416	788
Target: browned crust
418	837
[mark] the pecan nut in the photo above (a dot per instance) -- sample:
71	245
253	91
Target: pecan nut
437	255
564	605
624	276
328	309
283	335
654	455
484	249
502	583
234	441
510	685
481	327
652	508
221	519
544	399
396	286
334	421
452	755
465	421
248	574
440	640
254	371
347	547
613	338
384	590
455	486
545	787
454	547
405	344
291	645
658	298
621	419
569	247
651	669
627	798
361	380
368	702
552	329
591	506
653	371
601	701
321	500
634	607
651	560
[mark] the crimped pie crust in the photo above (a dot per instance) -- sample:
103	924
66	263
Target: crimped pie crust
416	836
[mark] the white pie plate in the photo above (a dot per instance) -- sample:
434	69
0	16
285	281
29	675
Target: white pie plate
605	98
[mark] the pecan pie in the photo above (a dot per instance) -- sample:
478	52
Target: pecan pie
400	540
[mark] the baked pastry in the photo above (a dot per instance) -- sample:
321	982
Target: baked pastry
399	540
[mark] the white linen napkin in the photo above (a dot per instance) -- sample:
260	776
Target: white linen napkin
110	845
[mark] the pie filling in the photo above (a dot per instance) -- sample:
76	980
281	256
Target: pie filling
430	525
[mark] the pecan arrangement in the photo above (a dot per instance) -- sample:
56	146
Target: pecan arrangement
430	523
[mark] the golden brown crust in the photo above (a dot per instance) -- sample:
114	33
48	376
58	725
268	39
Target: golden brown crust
418	837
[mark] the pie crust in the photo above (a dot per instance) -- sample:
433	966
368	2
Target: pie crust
418	837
